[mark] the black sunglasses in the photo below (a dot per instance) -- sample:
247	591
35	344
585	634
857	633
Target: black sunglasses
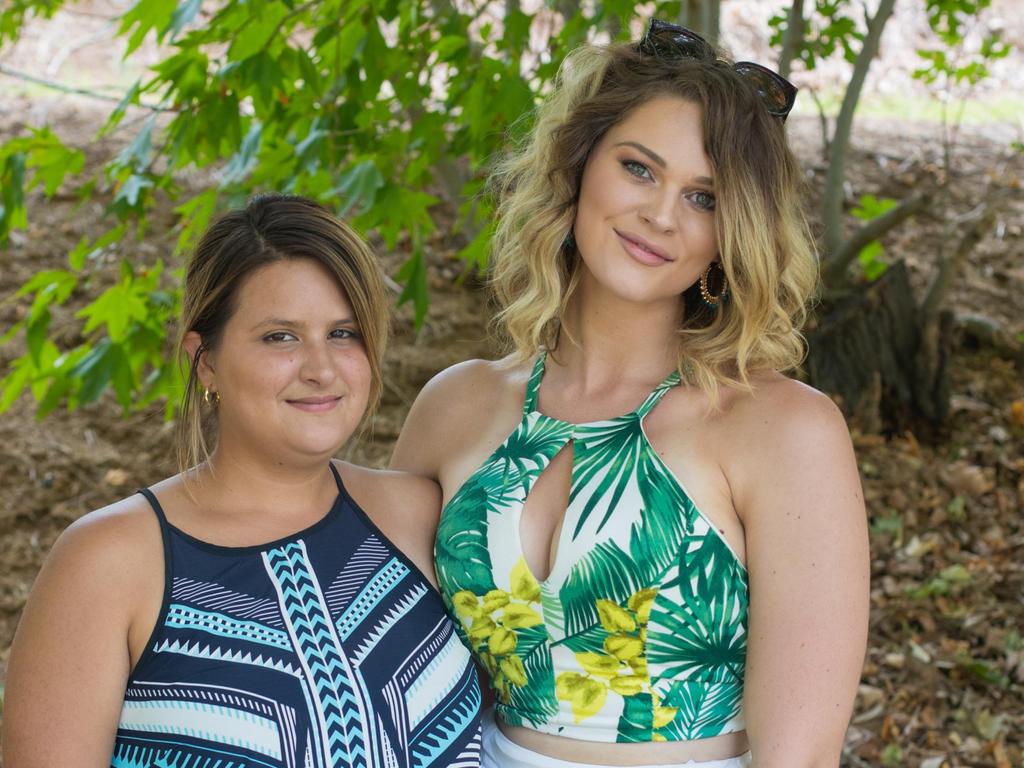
671	40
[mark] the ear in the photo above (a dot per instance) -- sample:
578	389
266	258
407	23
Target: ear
193	344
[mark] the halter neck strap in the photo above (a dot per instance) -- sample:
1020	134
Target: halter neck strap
533	388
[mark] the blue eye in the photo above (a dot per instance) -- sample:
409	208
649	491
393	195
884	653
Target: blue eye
703	200
637	169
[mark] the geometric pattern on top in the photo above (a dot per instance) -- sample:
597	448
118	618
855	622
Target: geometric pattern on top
325	649
639	632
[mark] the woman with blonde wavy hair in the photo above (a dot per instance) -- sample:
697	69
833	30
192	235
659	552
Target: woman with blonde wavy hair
653	541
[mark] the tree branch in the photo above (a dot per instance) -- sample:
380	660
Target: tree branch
834	266
6	70
832	200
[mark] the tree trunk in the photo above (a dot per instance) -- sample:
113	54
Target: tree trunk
832	199
711	14
689	13
792	37
871	352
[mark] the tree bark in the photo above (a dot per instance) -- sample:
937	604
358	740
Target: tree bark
832	200
689	13
711	14
792	37
870	352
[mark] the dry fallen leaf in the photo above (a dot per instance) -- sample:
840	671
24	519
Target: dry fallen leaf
115	477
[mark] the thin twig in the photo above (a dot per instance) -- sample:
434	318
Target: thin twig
10	72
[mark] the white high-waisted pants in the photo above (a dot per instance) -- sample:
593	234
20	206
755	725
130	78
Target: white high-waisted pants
501	752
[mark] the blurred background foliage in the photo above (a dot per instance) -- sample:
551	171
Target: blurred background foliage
382	109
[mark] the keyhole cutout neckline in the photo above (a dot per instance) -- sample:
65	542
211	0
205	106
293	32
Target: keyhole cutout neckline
533	395
556	542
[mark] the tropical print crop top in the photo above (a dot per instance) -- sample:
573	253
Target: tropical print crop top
638	633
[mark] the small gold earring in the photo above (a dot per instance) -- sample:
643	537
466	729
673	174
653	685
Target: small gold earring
211	397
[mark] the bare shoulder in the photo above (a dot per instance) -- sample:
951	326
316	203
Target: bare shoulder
388	488
448	415
785	434
108	540
786	412
403	507
474	384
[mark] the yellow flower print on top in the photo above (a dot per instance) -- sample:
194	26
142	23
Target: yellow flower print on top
621	668
490	622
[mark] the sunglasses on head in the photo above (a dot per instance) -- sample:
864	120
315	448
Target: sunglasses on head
671	41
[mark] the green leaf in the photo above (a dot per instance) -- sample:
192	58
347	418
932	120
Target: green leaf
87	250
449	45
131	97
477	252
12	195
258	32
52	161
413	275
245	159
129	191
195	215
94	370
117	308
56	284
144	16
137	154
359	185
12	385
184	14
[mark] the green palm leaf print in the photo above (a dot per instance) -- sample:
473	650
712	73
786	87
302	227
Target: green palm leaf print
703	637
537	697
606	572
460	549
607	452
529	449
701	708
635	724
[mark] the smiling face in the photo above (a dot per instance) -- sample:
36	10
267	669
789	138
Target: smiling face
645	223
290	367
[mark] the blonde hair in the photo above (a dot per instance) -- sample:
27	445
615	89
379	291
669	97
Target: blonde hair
269	229
763	237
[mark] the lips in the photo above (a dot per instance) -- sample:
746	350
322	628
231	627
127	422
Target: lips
316	404
642	250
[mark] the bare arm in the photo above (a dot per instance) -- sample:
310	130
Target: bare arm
803	511
458	411
70	660
417	450
403	506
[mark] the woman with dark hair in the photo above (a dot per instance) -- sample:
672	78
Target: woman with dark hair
653	541
267	606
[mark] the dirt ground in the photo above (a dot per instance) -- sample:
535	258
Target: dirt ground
943	683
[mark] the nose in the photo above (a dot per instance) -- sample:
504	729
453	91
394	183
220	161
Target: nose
317	363
659	209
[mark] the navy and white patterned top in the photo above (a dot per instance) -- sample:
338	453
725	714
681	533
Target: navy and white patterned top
325	649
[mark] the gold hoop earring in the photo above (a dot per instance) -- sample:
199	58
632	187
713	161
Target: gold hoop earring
705	294
210	397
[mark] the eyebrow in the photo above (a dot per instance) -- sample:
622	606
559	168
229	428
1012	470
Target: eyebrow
659	160
278	321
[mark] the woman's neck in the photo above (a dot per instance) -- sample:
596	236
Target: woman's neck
606	339
262	482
